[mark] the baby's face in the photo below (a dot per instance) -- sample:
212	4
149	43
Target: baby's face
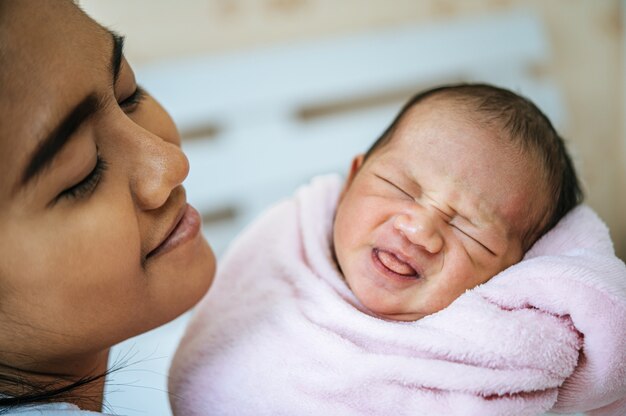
438	210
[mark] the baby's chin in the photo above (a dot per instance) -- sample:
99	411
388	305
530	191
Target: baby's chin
385	309
405	317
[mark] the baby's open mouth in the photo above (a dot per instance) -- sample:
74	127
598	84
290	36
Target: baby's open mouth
394	264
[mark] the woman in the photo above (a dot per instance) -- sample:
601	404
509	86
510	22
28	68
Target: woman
98	243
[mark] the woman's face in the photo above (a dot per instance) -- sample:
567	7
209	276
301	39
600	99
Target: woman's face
97	241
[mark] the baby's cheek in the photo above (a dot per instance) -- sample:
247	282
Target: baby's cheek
344	227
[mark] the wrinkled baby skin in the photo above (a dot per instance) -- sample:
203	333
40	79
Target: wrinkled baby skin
439	209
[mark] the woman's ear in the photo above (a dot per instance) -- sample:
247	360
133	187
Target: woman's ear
357	162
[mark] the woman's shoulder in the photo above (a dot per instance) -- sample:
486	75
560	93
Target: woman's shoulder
50	409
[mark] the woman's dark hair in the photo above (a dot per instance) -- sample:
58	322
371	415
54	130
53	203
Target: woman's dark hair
35	393
525	125
17	391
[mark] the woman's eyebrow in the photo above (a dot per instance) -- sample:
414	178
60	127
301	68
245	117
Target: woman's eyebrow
49	147
116	56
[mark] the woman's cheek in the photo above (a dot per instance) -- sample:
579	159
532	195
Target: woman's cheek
102	238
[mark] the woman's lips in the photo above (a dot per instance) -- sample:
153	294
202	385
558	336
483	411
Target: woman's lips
186	229
391	265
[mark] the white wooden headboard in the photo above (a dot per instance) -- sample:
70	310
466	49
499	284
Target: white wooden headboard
258	123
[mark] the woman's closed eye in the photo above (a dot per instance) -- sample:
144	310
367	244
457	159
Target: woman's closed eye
87	185
130	103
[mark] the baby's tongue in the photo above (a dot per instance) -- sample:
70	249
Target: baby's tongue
394	264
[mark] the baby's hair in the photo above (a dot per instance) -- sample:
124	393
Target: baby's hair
526	126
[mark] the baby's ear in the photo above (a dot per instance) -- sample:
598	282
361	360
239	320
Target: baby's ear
357	162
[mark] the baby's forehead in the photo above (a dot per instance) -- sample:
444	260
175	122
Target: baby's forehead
444	137
458	109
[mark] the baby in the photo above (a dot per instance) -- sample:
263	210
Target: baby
308	312
460	185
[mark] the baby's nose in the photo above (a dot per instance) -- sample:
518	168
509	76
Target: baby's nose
420	230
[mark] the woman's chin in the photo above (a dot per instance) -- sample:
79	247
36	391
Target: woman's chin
195	282
179	285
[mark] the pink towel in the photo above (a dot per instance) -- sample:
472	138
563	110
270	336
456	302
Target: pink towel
280	333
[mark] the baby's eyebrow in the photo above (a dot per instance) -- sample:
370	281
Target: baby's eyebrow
496	227
49	148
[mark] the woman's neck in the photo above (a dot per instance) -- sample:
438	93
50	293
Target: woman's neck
61	376
90	396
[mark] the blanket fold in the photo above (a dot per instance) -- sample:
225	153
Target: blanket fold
280	333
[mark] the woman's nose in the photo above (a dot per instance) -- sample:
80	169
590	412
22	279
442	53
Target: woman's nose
160	167
421	229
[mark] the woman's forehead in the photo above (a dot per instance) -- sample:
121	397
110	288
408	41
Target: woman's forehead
46	49
51	55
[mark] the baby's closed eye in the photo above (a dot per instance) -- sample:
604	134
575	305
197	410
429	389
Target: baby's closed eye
471	237
397	187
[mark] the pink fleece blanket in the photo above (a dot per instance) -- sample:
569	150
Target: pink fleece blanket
280	333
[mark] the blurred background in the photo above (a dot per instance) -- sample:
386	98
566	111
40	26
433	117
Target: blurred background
268	93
